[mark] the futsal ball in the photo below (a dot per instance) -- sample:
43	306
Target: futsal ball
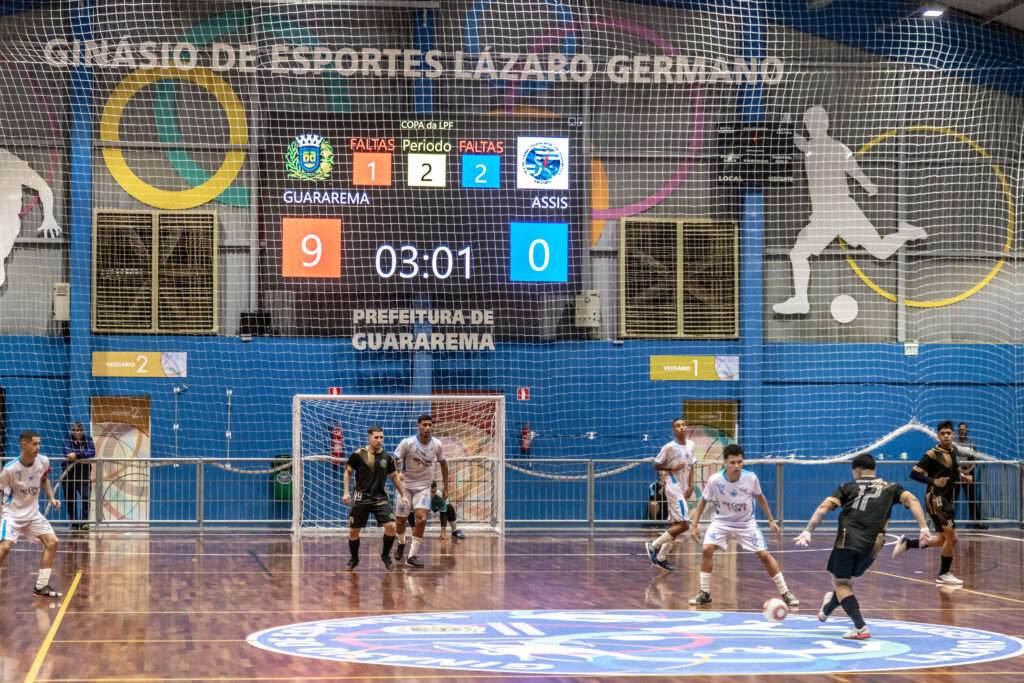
775	610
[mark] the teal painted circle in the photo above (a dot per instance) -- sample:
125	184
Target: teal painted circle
627	642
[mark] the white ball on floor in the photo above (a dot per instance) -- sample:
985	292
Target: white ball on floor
775	610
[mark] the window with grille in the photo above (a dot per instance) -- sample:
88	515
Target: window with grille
154	272
678	278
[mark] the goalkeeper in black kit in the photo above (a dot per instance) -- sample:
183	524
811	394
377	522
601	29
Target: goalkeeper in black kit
940	471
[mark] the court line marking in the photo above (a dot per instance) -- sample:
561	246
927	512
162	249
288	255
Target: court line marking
45	647
939	585
1005	538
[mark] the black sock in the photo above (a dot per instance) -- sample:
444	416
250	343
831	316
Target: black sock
831	605
913	543
852	609
353	548
388	542
946	563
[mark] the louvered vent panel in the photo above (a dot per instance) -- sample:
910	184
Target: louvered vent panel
123	271
709	280
650	299
187	272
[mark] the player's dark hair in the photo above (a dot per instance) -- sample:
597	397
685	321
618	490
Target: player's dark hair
678	419
375	428
433	484
424	418
27	436
961	424
732	449
863	461
945	424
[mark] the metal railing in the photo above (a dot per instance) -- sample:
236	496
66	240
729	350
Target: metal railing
205	492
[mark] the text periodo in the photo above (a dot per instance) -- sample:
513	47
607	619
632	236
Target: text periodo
306	60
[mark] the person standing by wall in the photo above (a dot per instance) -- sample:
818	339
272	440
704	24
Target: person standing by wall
969	465
79	474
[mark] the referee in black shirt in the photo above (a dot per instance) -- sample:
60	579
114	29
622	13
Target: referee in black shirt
867	503
939	469
372	466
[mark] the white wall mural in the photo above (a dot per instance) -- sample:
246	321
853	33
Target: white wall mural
15	173
834	212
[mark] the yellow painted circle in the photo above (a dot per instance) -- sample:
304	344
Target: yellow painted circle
110	120
1009	222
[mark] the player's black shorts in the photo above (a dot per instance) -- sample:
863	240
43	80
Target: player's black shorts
941	511
361	511
845	563
447	515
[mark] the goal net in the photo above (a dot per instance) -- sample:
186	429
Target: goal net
326	430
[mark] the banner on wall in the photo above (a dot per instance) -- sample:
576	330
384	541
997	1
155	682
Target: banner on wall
139	364
702	368
121	429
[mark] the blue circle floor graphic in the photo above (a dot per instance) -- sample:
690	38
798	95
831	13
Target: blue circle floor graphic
624	642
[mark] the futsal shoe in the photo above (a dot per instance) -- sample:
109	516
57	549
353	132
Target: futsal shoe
414	561
458	534
399	551
386	559
665	565
701	598
900	547
855	633
652	552
822	614
352	564
790	599
46	592
949	580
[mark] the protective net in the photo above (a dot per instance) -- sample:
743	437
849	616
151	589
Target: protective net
327	429
790	222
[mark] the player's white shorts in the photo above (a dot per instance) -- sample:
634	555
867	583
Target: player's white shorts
13	529
749	537
420	501
678	508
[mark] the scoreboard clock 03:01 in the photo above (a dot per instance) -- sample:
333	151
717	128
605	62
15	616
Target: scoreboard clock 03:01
439	262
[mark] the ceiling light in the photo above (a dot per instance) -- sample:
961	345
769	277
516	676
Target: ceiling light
933	12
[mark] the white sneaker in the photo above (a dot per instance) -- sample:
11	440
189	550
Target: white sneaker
949	580
900	547
855	633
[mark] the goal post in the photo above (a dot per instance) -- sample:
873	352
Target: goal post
327	429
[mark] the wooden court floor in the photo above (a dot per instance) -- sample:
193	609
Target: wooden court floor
173	607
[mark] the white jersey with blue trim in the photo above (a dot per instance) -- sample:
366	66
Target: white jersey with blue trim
673	454
20	485
418	461
734	501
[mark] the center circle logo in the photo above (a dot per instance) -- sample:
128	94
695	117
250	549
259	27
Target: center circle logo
627	642
542	161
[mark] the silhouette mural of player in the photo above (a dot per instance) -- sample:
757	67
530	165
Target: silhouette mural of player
834	213
14	173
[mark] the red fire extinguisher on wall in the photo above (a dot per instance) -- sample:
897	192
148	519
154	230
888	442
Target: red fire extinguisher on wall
526	439
337	445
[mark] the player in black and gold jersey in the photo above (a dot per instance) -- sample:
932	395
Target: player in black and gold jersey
867	503
939	469
372	466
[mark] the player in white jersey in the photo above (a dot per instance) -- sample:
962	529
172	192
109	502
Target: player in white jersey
675	462
733	492
416	455
20	482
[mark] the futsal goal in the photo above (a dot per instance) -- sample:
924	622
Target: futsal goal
327	429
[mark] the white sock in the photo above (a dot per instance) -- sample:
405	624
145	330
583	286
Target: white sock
705	581
401	537
414	545
44	578
664	551
662	540
780	582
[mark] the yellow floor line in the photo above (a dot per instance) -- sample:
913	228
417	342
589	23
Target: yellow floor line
36	665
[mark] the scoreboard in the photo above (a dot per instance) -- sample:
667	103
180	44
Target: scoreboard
389	212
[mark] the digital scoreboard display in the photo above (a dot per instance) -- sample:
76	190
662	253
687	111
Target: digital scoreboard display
364	212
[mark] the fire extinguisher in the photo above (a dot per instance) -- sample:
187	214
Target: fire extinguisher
337	445
525	439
